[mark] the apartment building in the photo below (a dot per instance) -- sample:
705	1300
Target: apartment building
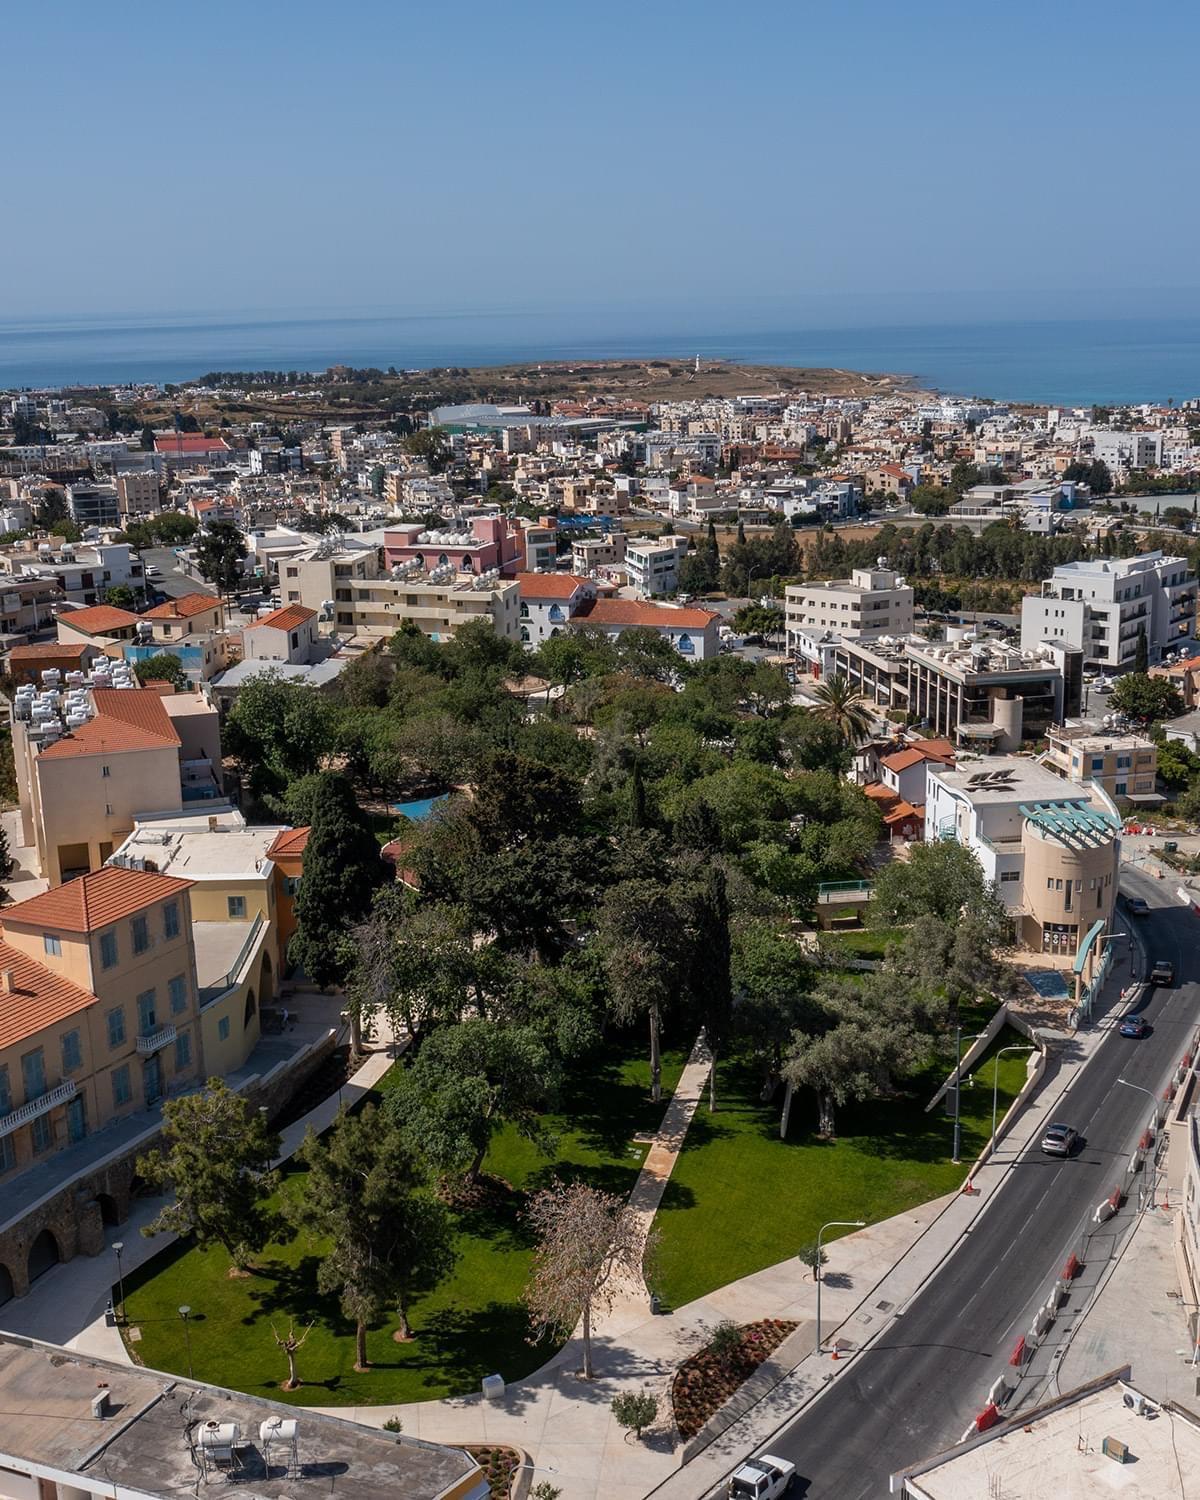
94	504
137	493
27	605
980	695
81	571
872	602
595	552
652	564
540	545
483	544
101	1014
1051	849
1125	765
322	575
437	603
1122	451
88	766
1102	605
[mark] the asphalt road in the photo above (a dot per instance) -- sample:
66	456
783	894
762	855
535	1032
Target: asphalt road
172	582
920	1386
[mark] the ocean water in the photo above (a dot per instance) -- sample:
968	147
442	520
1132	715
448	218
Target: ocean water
1075	362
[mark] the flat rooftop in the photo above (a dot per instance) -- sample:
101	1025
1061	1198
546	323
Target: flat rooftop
1008	778
1058	1452
188	847
143	1444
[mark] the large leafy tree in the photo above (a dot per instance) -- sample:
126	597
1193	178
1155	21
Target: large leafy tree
220	552
772	978
387	1238
943	879
468	1080
341	871
710	983
278	732
218	1162
643	937
1146	698
164	666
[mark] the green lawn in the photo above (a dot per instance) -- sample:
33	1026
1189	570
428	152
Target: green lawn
741	1199
470	1326
864	942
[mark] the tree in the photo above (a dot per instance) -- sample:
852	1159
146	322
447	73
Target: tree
278	731
220	553
1188	805
164	666
121	596
291	1343
941	879
586	1240
432	444
840	705
362	1180
217	1160
634	1410
643	943
147	439
6	859
758	619
709	983
1146	698
1177	765
771	977
341	869
1141	657
813	1256
467	1081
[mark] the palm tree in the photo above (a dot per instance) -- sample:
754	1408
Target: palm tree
843	707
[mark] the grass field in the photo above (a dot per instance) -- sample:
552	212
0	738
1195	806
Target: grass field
741	1199
471	1325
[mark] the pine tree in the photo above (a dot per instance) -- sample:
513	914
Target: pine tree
341	870
1141	655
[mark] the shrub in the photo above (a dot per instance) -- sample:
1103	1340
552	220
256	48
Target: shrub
393	1425
634	1409
725	1340
812	1257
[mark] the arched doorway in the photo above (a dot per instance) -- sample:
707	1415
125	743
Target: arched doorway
251	1007
109	1212
43	1255
6	1285
267	979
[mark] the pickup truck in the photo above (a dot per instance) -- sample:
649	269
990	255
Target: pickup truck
1163	972
761	1478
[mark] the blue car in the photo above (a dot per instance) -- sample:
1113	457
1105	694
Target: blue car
1134	1026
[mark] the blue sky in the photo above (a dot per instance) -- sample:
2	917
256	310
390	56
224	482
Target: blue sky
859	161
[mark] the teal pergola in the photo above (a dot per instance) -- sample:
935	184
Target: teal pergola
1077	825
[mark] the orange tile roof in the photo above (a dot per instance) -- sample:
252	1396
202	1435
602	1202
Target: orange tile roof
97	618
632	612
183	608
902	759
287	618
36	997
49	651
95	900
549	585
290	843
126	719
187	442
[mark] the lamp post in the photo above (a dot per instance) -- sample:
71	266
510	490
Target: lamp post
833	1224
958	1041
185	1313
996	1080
118	1246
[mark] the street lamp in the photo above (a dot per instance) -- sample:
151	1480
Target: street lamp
958	1041
996	1080
185	1313
118	1246
833	1224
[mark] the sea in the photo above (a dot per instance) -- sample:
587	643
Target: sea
1078	362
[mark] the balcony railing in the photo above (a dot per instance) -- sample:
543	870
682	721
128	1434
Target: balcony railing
155	1041
24	1113
837	892
209	992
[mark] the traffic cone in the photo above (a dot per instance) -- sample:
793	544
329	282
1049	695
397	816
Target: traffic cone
835	1354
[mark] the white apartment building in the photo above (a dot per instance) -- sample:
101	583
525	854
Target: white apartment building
1100	606
870	603
653	564
1122	451
83	571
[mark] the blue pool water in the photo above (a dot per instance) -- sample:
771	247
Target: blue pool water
419	809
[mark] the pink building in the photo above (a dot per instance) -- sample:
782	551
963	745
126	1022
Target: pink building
488	543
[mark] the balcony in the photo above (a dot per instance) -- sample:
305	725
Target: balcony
25	1113
154	1041
844	892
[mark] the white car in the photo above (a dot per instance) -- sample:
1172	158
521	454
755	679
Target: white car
762	1478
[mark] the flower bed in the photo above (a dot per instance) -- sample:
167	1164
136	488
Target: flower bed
706	1381
499	1466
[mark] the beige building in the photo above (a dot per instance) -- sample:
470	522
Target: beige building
870	603
1052	850
1125	765
137	493
177	621
101	1011
82	785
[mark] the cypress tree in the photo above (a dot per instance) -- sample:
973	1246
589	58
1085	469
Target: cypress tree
342	867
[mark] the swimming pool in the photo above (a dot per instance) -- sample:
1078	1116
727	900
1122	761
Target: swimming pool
421	808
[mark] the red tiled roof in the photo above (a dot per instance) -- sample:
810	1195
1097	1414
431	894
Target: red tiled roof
632	612
36	997
549	585
287	618
182	608
95	900
126	719
187	442
902	759
98	617
289	844
49	651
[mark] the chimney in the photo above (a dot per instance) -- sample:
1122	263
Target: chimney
6	981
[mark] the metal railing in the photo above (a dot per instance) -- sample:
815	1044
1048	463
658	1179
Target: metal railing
43	1104
209	992
843	890
154	1041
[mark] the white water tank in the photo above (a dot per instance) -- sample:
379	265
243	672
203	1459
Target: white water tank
219	1439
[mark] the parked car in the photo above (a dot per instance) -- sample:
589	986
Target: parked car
762	1478
1134	1026
1060	1140
153	572
1163	972
1137	906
